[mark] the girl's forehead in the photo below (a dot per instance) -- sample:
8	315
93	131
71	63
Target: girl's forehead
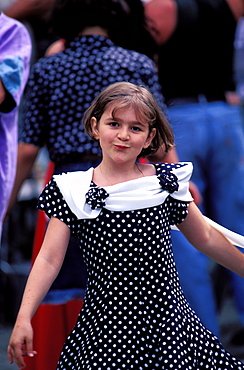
121	106
117	111
114	106
114	109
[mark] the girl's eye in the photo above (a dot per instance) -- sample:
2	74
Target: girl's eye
113	124
135	128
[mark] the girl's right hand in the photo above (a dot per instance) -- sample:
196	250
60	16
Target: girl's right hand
21	344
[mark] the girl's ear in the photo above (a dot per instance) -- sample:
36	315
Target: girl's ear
94	127
149	138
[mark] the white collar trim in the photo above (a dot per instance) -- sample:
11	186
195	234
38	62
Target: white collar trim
130	195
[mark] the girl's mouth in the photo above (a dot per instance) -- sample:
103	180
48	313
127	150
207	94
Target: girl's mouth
121	147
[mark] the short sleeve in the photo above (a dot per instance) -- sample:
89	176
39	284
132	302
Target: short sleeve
51	201
178	210
175	177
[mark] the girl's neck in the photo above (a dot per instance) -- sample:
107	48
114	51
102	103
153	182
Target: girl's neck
111	175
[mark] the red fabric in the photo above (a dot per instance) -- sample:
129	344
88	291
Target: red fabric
51	323
41	219
143	160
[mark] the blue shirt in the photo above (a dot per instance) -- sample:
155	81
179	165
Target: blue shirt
61	87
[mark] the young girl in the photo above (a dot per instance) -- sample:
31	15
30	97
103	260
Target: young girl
135	315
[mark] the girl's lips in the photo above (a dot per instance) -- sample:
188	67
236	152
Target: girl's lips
121	147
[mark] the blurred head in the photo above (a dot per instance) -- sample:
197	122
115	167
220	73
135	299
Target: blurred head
122	19
124	95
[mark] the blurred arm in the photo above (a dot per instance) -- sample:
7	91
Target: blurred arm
27	154
2	92
162	19
22	9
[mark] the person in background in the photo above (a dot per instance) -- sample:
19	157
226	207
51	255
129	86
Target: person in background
239	64
15	54
195	63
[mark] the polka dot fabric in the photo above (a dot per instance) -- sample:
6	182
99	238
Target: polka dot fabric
135	315
61	88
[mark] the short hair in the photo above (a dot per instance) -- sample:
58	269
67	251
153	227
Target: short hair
126	94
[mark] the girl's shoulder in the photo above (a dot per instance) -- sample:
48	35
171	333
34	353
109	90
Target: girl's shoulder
175	177
186	167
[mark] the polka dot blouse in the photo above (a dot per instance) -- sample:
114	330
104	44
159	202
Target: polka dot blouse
62	86
135	315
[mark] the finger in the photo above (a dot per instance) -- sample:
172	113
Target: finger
10	357
17	357
29	348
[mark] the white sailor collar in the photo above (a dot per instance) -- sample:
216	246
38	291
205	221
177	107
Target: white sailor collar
130	195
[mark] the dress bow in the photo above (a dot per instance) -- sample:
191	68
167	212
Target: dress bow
95	197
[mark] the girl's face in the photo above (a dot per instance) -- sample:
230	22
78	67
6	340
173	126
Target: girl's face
123	137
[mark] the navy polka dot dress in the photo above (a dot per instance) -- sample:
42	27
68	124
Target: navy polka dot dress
135	315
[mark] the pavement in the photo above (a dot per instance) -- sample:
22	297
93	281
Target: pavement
228	318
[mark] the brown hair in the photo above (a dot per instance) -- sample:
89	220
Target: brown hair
126	94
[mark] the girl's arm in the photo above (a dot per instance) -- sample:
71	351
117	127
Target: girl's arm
42	275
210	241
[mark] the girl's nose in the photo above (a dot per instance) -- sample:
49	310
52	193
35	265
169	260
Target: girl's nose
123	134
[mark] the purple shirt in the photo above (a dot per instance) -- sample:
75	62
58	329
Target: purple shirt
15	54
